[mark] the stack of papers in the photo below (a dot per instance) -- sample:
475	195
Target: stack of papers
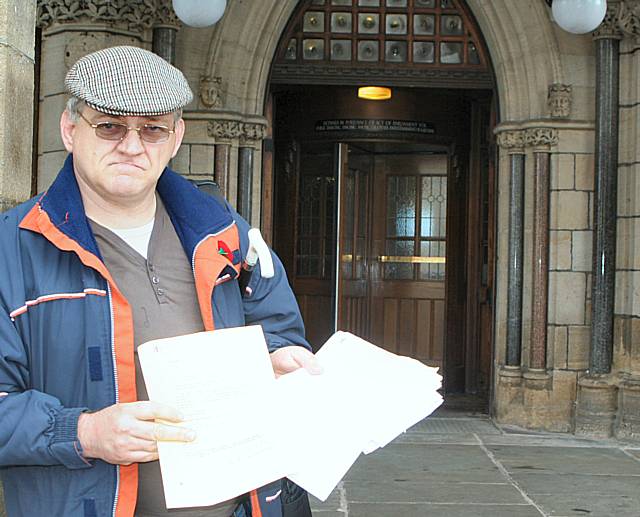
253	429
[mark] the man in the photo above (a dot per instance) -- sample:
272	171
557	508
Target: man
118	251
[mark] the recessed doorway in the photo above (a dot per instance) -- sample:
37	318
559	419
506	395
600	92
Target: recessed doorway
388	233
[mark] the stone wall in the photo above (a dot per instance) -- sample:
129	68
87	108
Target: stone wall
627	306
17	33
17	36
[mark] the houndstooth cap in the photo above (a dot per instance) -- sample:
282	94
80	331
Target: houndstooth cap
128	81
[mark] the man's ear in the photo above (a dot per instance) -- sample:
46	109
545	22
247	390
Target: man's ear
179	133
67	128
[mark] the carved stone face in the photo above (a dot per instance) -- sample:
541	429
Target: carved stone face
559	100
211	91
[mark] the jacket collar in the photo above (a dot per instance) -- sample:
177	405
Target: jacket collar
193	213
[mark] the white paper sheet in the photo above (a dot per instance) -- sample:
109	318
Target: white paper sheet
223	384
253	429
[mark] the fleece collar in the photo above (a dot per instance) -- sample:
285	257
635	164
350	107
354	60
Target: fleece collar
193	213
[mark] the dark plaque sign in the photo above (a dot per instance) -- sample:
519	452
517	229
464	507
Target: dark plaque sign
375	125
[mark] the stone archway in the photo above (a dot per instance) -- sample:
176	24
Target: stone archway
522	45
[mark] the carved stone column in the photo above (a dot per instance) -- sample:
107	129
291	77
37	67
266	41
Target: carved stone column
513	143
224	132
597	403
540	139
607	41
165	28
252	135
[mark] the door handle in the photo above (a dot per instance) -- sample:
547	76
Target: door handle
412	259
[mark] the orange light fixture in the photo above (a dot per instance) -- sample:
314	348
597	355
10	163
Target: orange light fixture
374	93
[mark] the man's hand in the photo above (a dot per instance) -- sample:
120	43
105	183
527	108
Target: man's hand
290	358
126	433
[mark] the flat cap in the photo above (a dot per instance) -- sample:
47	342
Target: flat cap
128	81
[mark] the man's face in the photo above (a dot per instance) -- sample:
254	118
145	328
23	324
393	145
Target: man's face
121	172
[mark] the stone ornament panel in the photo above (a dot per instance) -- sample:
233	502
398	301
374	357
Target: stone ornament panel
135	15
515	140
248	133
512	141
540	137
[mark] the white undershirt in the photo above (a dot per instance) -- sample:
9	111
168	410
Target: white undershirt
138	238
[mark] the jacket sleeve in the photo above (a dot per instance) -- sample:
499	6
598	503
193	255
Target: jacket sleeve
35	429
272	303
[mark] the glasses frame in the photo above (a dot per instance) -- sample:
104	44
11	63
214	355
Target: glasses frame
129	128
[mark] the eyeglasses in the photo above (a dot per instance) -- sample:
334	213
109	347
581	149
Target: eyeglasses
113	131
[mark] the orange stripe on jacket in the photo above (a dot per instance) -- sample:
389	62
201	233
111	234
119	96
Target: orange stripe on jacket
255	504
38	221
208	265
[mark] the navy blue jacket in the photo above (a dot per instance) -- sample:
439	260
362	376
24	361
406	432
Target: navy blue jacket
66	339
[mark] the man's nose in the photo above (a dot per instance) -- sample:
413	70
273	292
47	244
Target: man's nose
132	142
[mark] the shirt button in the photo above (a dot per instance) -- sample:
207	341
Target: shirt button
160	292
155	280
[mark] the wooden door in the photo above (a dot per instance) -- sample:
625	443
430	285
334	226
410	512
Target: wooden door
314	251
355	171
394	293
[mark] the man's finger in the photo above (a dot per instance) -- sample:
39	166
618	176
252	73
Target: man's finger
171	433
147	410
307	360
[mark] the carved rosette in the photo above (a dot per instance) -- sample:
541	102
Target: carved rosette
247	133
211	91
559	100
541	137
512	141
134	15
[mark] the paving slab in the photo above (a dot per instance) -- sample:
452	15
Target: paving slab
589	505
566	460
544	441
399	491
428	510
449	425
536	483
443	463
415	437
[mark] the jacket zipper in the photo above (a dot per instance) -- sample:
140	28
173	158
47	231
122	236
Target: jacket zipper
115	385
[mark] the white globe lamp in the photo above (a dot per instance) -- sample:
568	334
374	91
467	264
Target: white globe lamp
579	16
199	13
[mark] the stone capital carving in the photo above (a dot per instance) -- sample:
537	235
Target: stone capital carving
225	129
134	15
165	15
248	134
211	91
512	141
621	18
253	133
541	137
559	100
628	17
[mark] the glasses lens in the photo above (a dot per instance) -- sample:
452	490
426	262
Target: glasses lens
154	134
111	131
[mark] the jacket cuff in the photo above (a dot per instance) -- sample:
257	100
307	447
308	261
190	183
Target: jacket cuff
65	446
